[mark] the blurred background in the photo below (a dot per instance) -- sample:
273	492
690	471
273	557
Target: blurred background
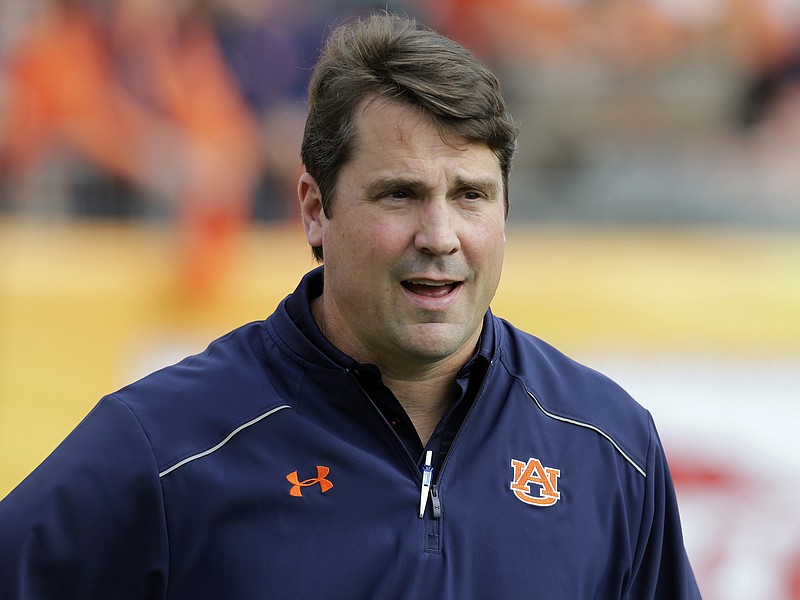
148	160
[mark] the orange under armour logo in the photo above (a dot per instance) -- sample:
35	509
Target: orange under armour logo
324	484
534	473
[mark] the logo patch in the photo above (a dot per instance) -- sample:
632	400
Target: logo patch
321	479
534	473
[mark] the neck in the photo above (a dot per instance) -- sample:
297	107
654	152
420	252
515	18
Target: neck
425	391
425	400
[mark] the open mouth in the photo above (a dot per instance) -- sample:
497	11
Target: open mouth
431	289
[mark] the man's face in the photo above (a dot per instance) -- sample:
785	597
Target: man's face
414	246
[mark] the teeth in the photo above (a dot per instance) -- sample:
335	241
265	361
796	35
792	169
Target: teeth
432	284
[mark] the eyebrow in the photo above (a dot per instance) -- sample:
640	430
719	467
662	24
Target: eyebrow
485	184
381	185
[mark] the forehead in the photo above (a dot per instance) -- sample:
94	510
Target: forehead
391	120
394	134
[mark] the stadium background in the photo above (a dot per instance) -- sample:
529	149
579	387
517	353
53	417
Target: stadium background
653	232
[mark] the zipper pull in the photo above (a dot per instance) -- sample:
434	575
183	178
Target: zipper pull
436	505
427	475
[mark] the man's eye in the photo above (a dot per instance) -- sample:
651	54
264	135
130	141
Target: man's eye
397	194
472	195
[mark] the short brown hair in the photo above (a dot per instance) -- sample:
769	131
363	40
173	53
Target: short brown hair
393	57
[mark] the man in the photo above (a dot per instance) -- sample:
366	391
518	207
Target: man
382	434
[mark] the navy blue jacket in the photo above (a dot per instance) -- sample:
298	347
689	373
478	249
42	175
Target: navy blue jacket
261	469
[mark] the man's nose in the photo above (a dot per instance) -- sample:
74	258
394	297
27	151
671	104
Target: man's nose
436	229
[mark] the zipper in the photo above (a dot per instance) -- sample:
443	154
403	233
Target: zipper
436	506
425	488
466	418
425	475
433	526
428	489
429	486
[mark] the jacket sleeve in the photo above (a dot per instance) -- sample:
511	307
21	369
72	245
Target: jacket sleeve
89	521
661	568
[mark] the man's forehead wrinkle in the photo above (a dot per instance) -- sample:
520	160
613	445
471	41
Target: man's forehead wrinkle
410	119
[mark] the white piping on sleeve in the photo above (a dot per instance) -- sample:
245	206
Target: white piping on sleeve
593	428
223	442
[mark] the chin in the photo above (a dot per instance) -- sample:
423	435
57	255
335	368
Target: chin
436	342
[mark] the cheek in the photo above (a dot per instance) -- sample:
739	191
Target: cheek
487	255
361	243
488	241
384	239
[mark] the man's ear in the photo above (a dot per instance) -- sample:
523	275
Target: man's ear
311	209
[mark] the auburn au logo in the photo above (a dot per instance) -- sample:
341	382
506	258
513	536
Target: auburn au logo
543	479
321	479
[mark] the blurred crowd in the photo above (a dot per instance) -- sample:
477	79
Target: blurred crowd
193	109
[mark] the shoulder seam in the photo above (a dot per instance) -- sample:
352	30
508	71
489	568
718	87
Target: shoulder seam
227	438
633	463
